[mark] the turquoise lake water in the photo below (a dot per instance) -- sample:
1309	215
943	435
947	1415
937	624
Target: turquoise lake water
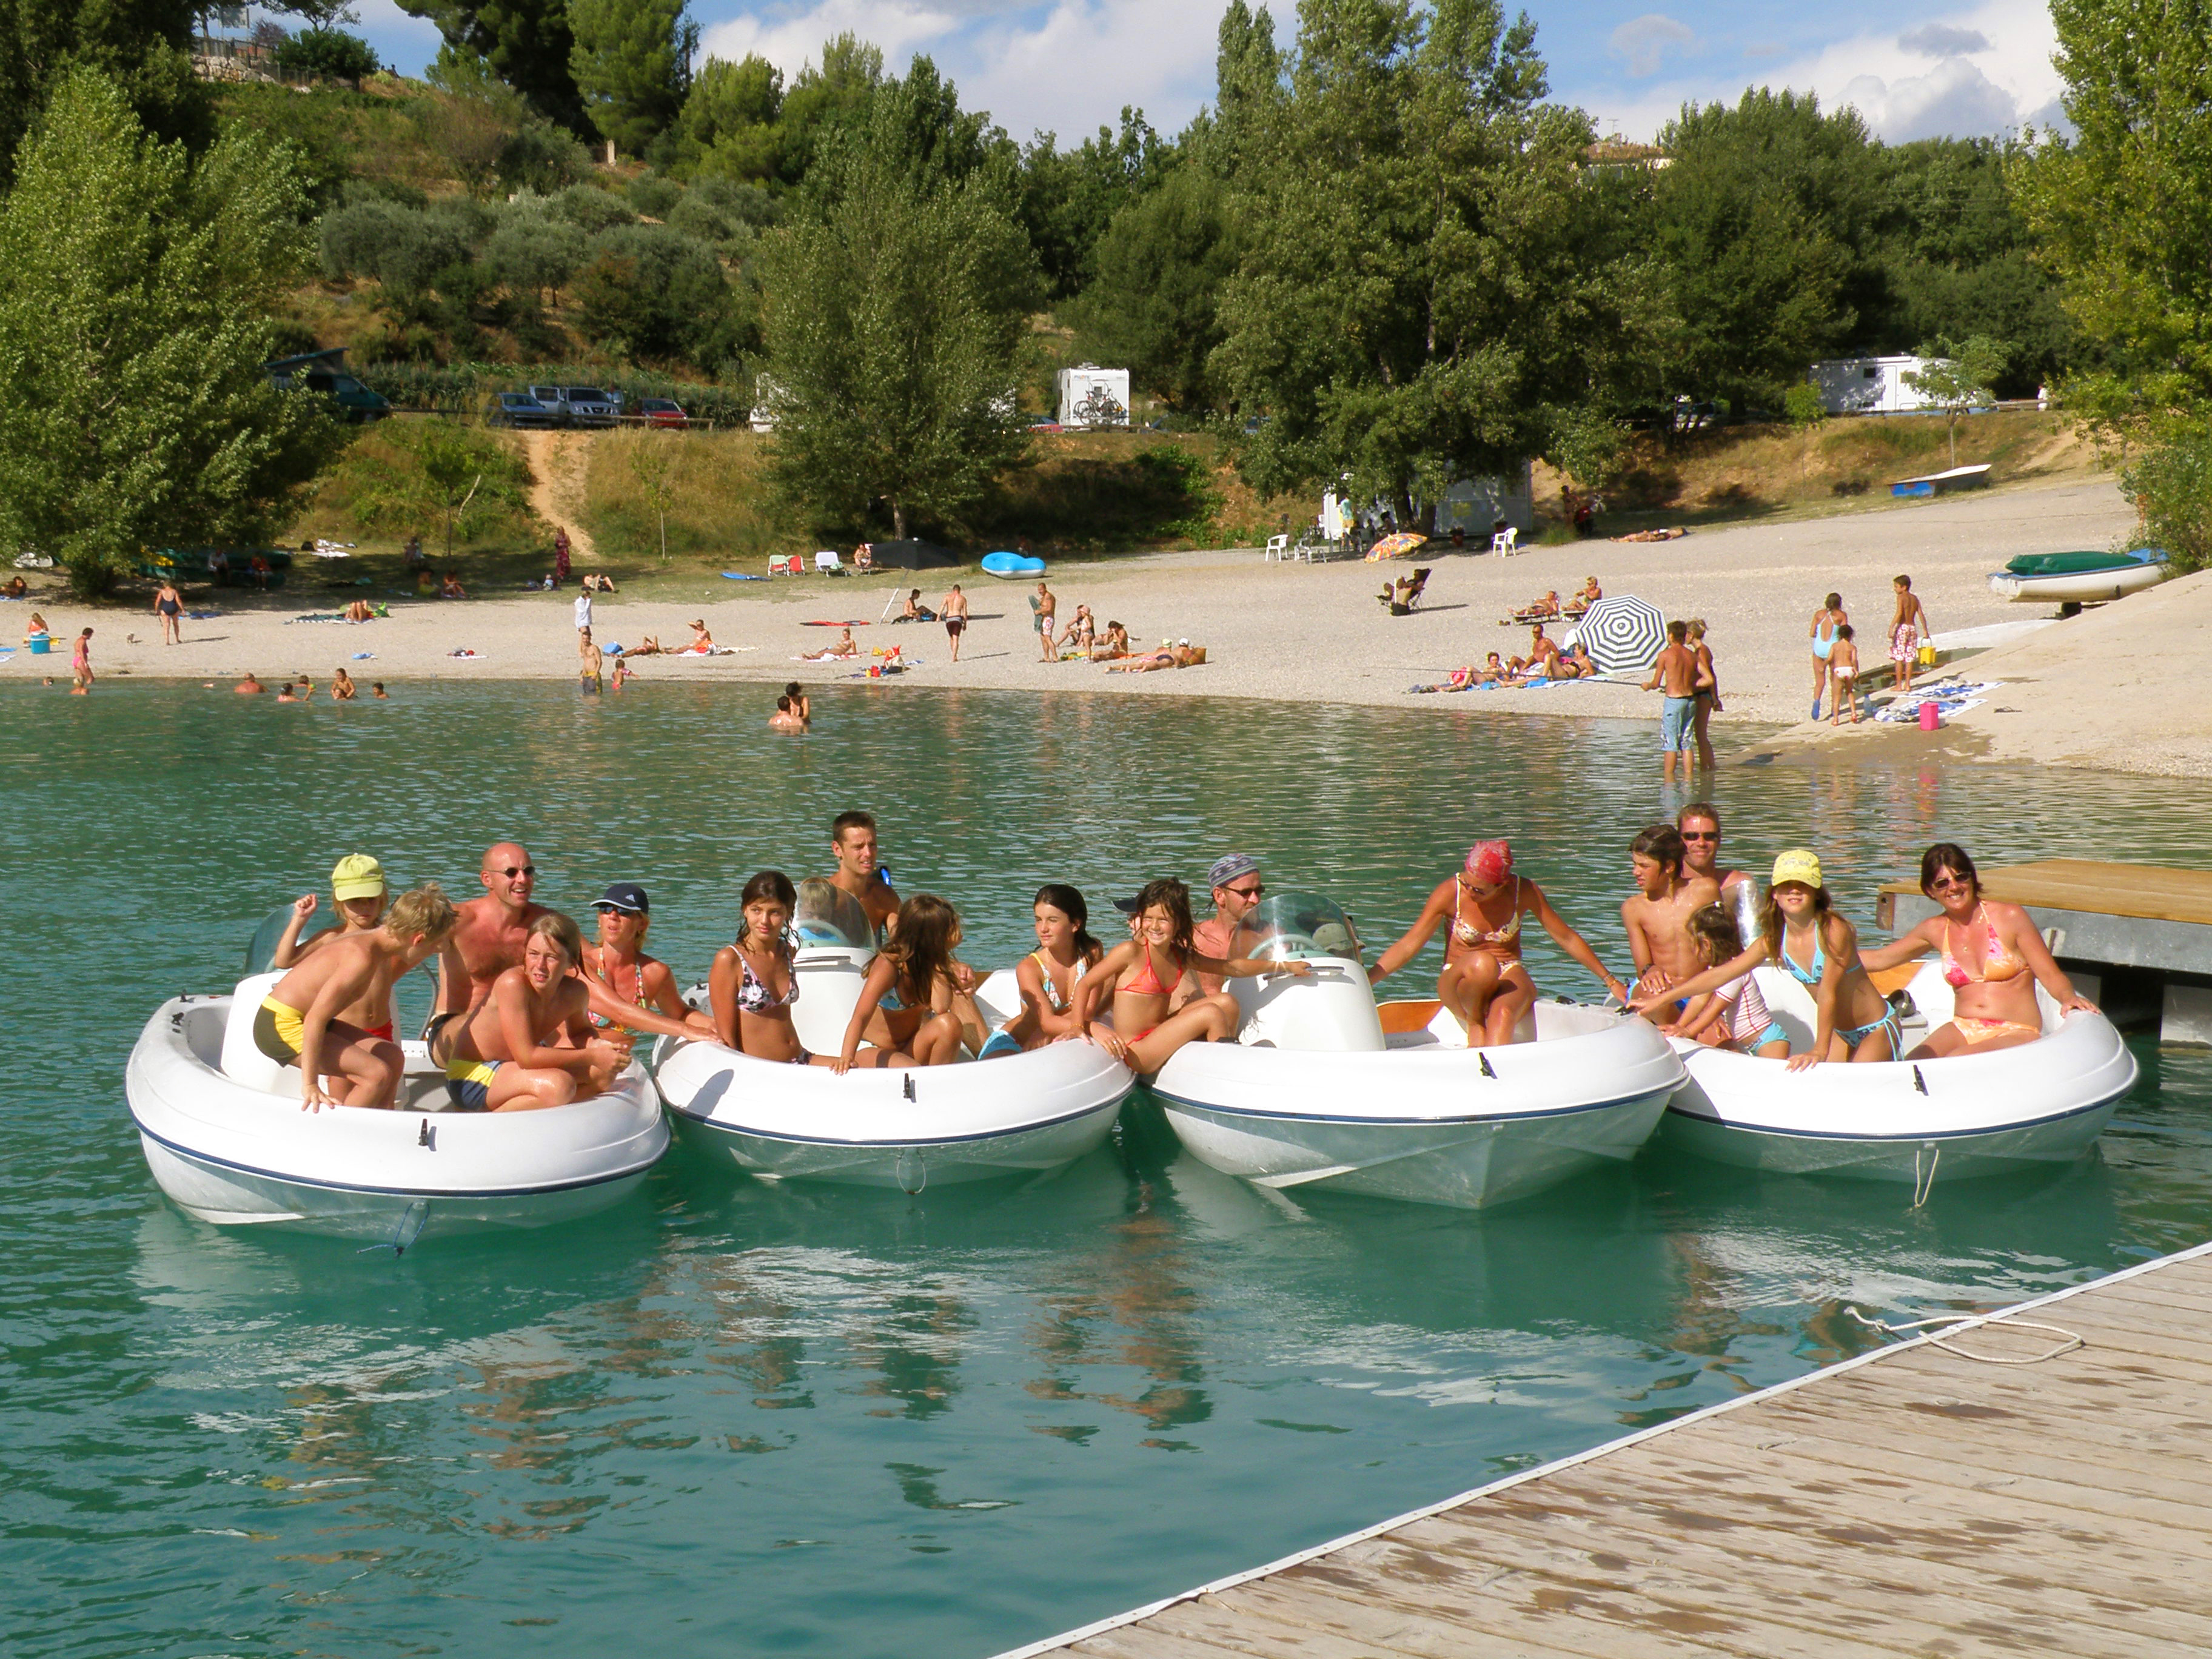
727	1419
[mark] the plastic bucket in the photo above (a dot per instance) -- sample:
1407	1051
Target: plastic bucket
42	648
1929	719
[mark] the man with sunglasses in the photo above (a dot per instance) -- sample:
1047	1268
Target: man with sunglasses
490	934
1700	824
1235	879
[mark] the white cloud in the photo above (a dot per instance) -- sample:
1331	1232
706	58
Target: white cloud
1644	40
1953	97
793	39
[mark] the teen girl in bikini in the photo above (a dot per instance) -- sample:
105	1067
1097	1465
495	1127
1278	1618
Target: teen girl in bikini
1048	976
629	990
1993	957
1484	982
912	1005
752	985
1141	976
1802	936
499	1056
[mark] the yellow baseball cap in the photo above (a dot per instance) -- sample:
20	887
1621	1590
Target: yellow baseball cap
1799	864
357	876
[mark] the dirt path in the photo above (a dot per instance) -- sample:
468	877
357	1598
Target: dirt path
557	460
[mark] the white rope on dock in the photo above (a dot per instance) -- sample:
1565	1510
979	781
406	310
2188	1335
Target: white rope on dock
2069	1340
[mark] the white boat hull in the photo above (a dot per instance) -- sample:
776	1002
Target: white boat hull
238	1156
2080	586
1425	1121
1921	1122
928	1127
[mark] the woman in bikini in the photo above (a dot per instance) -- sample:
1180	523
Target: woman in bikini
1706	696
628	990
1798	933
1048	976
752	985
913	1007
1113	643
1140	978
1485	983
1082	633
1825	621
1993	958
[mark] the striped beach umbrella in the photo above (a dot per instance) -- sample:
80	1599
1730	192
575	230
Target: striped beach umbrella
1623	633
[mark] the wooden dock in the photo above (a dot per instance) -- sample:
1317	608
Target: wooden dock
1908	1502
2137	917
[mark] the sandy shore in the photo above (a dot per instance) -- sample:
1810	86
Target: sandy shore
1309	633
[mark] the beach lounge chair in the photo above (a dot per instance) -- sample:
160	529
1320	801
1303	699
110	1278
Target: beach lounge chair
1506	541
829	563
785	565
1401	596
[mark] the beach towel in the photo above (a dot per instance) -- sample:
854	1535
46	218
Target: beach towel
741	576
364	656
857	622
1951	697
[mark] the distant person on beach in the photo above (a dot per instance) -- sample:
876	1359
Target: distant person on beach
1182	654
1708	691
1082	633
622	676
1113	643
1801	932
1994	957
1543	649
1042	605
1825	621
1484	981
914	611
412	554
582	611
560	565
168	605
858	872
500	1055
360	611
702	641
1137	979
249	687
302	1020
342	689
357	894
589	661
37	630
1843	668
1675	674
953	607
1048	976
17	588
451	588
1237	888
1908	628
844	645
1575	663
628	990
1657	918
786	718
81	664
494	927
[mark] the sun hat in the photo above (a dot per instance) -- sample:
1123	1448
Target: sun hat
357	876
625	896
1799	864
1229	866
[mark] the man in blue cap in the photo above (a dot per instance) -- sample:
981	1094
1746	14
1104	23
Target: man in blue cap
1235	879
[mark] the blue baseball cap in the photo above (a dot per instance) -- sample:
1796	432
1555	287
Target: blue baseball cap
625	896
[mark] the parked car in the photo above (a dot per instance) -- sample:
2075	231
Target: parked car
326	372
579	405
520	409
662	412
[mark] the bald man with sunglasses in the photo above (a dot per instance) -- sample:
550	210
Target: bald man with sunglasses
492	930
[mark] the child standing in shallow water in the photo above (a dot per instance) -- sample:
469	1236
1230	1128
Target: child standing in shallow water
1844	664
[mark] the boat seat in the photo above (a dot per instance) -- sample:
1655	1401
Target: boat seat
242	1062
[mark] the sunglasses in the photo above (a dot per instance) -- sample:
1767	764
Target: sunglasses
1946	879
1701	835
1247	892
517	870
616	910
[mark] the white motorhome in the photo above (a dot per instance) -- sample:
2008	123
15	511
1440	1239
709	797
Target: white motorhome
1870	385
1471	505
1091	396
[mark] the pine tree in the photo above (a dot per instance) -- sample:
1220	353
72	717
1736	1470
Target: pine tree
632	62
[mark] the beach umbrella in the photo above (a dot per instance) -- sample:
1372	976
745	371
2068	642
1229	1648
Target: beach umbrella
1397	546
1622	633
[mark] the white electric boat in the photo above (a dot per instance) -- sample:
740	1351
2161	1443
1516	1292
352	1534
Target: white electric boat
926	1126
1920	1121
1325	1089
2080	577
226	1137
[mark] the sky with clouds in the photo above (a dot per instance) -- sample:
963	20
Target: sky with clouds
1066	66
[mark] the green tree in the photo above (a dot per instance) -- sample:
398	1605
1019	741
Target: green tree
534	254
1151	307
136	294
897	300
1415	298
1957	376
451	475
632	62
655	461
728	129
528	43
833	98
1068	197
331	54
651	292
144	47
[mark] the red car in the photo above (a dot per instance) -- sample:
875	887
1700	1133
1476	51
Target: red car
662	412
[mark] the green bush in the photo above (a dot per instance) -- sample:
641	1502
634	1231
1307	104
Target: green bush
1802	405
543	158
327	54
2170	479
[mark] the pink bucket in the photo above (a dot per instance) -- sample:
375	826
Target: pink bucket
1929	718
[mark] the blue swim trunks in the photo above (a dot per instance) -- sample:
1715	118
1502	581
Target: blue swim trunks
1675	724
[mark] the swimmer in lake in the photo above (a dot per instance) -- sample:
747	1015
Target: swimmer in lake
1994	957
1801	934
1485	983
499	1057
1138	979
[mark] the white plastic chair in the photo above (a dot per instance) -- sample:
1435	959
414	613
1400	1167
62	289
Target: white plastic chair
1279	548
828	563
1505	542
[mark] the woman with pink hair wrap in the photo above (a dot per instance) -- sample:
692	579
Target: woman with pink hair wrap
1485	983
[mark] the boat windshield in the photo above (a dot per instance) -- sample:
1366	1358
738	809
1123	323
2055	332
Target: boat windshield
261	949
1288	925
829	915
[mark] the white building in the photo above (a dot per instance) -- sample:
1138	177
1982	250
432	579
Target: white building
1870	385
1471	505
1091	396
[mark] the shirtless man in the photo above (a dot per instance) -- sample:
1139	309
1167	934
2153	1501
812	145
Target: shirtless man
358	893
590	660
953	607
1542	650
249	687
489	937
302	1020
853	844
1658	918
1676	672
1044	605
342	689
1235	879
1700	824
498	1058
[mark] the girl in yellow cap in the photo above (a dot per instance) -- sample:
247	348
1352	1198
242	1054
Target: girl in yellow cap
1801	934
358	895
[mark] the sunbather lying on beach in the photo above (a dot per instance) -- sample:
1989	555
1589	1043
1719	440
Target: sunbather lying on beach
1182	654
845	646
1544	610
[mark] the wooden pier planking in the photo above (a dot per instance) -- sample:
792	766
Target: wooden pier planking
2147	892
1910	1501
